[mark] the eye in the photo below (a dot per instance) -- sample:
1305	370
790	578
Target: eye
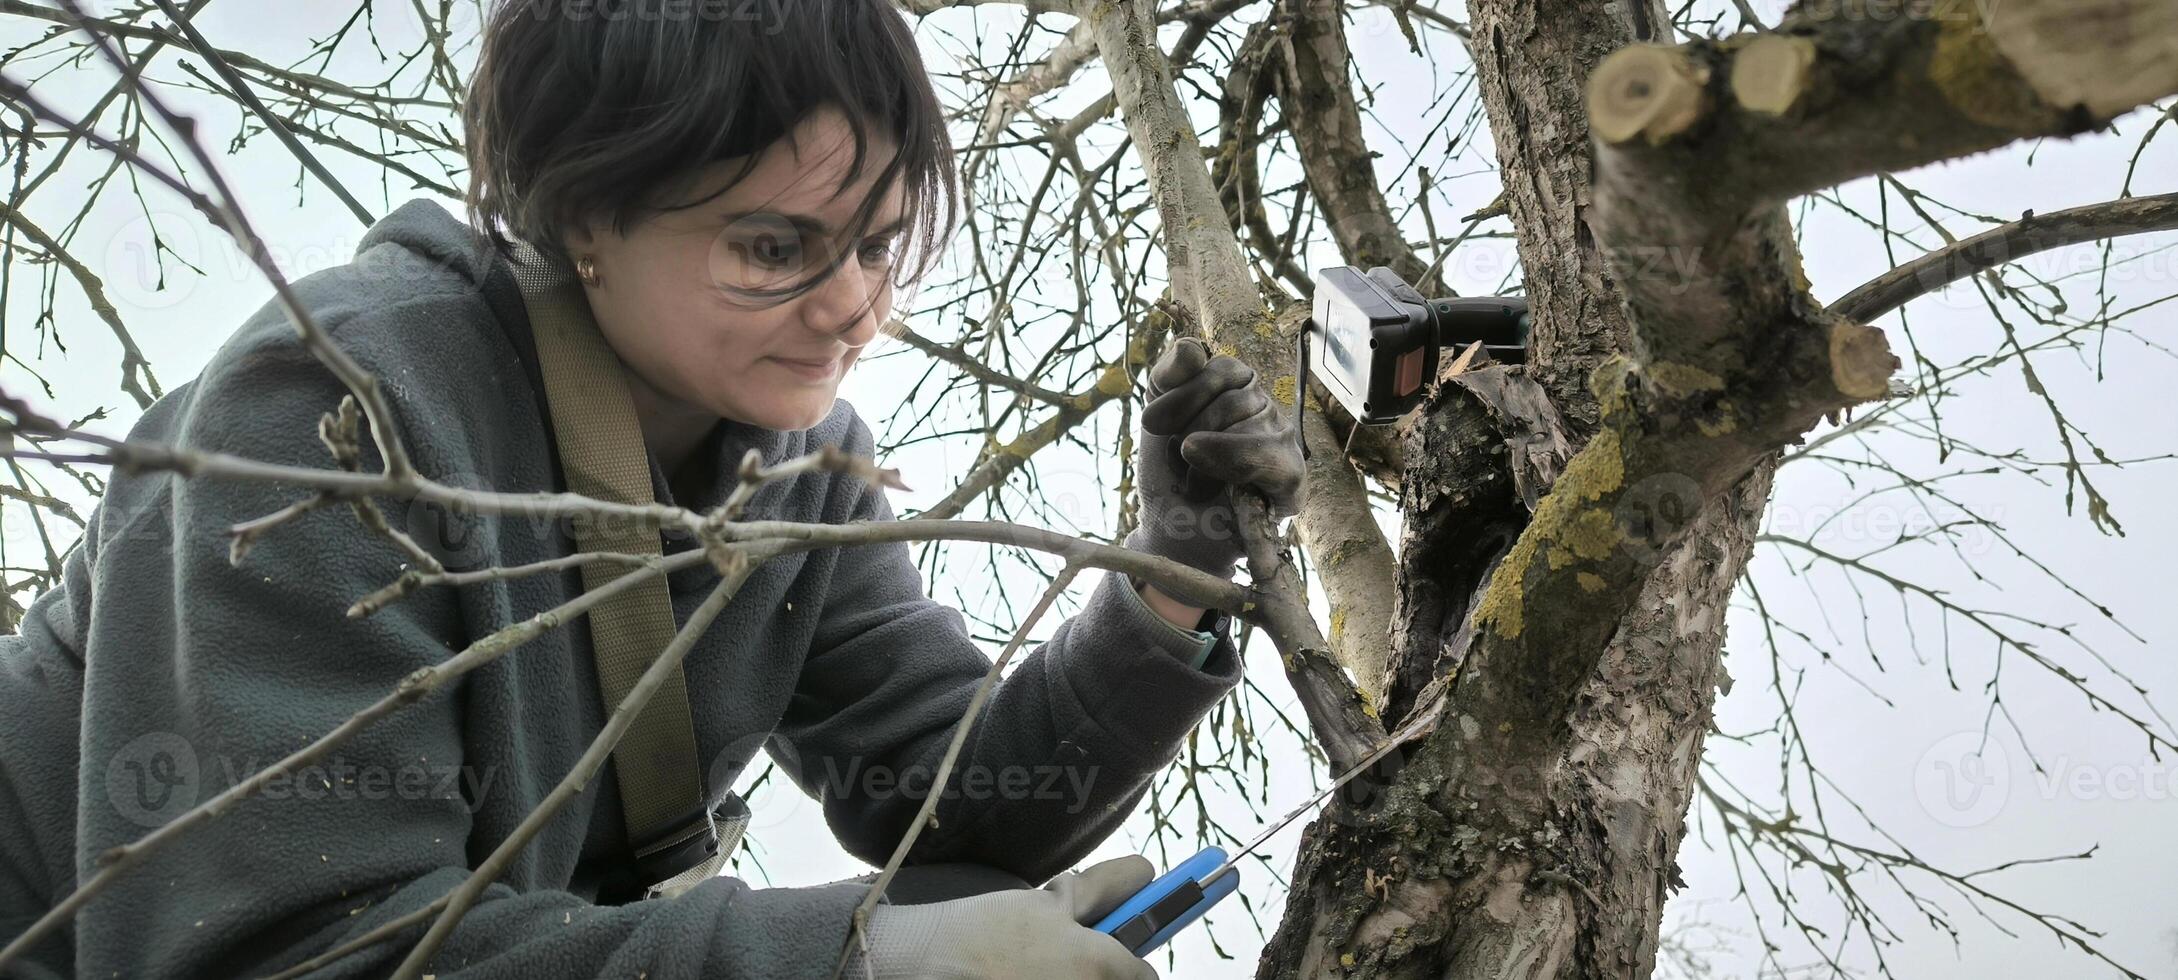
877	251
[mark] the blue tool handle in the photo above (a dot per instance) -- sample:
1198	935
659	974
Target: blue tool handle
1149	918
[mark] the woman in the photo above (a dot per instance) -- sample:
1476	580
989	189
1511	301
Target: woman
732	194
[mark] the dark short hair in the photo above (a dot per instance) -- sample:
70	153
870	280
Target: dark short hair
587	111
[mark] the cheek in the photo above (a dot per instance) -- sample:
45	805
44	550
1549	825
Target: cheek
725	345
686	337
686	343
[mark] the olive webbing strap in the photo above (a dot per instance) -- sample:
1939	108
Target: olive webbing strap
601	452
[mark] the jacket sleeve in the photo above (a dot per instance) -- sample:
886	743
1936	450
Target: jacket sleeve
1064	749
201	672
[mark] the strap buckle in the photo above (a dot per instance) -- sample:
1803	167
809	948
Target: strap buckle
692	850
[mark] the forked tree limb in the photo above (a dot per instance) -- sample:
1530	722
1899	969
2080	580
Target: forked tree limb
1312	61
1729	357
1209	278
1320	108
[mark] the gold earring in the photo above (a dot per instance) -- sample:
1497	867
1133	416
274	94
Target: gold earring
586	267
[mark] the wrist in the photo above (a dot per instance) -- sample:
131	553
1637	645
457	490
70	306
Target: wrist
1172	610
1201	626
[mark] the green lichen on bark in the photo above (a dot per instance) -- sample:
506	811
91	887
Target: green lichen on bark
1597	472
1590	535
1683	379
1500	606
1609	386
1723	423
1368	704
1114	381
1566	525
1339	552
1019	447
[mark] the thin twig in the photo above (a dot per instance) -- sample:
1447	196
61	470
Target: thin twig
961	728
586	768
272	122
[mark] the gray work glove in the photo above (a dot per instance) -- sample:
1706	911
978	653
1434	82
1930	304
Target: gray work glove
1207	429
1040	933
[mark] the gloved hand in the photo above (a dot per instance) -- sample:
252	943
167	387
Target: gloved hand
1208	429
1004	935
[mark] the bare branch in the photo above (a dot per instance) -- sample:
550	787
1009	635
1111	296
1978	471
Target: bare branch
242	91
1207	277
1999	246
143	389
227	214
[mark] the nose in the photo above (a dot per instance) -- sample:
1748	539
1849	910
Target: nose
844	304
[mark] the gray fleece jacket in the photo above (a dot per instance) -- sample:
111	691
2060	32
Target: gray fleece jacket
157	673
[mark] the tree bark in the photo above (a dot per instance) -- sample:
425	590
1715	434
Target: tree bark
1571	644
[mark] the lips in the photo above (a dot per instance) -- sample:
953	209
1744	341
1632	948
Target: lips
813	368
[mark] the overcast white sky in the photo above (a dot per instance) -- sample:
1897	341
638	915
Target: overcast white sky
1888	715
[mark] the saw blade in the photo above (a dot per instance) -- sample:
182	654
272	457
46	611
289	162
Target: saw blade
1422	723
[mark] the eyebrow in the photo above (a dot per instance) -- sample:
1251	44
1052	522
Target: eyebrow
810	224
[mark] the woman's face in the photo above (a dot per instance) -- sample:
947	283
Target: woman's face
666	296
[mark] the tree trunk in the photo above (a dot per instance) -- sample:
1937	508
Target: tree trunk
1574	526
1561	869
